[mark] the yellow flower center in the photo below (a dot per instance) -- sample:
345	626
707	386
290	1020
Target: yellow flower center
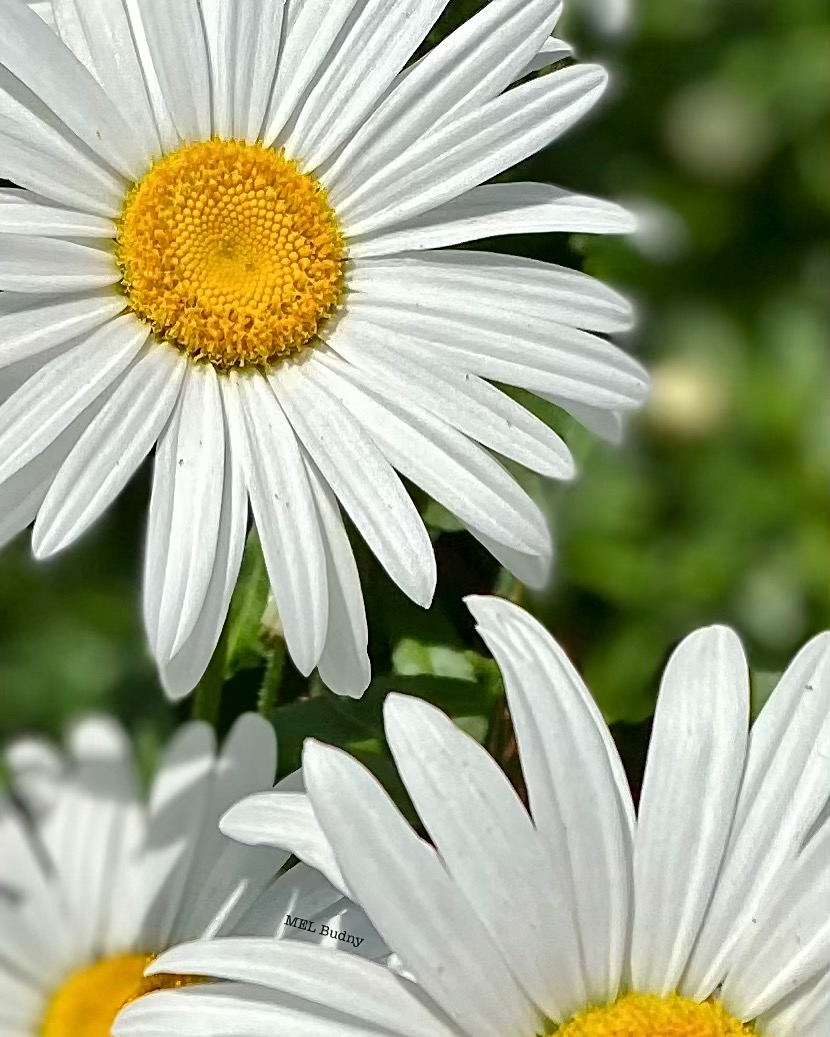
645	1015
231	253
88	1002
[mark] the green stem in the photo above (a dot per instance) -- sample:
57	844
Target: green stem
207	698
269	691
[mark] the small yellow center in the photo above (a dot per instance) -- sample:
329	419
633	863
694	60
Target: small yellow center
231	253
88	1002
644	1015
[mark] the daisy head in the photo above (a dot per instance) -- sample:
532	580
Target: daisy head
229	245
96	880
703	914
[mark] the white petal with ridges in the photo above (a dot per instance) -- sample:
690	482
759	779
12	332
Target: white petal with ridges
433	927
49	265
690	788
497	209
184	512
360	476
471	149
284	511
376	46
114	444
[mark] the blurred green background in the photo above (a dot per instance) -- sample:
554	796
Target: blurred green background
714	509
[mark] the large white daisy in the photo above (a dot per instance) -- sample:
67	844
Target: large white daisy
224	247
706	915
94	881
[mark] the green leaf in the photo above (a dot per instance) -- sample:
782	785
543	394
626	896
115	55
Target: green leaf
244	645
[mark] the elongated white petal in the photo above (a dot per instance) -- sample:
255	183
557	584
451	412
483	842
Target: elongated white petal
100	35
286	820
344	664
112	447
790	942
606	424
532	570
178	50
466	802
360	476
60	391
433	927
183	672
805	1013
375	47
551	51
244	44
456	472
184	513
178	803
470	404
495	209
32	52
343	984
51	322
784	788
26	217
470	66
472	148
495	286
695	761
29	264
309	30
586	825
284	512
544	357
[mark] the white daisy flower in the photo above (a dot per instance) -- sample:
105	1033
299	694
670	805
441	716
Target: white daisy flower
704	916
229	244
95	881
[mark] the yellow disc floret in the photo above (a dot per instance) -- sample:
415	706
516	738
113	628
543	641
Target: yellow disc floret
88	1002
645	1015
231	253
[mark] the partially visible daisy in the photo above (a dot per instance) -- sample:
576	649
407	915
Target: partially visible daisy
230	246
706	915
95	882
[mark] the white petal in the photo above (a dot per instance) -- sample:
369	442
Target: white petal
375	47
183	672
178	50
532	353
51	265
178	804
244	42
495	209
309	31
468	403
32	52
472	148
110	450
419	911
184	512
577	789
360	476
805	1013
30	218
443	462
103	39
344	665
48	322
790	942
551	51
286	820
284	512
608	425
532	570
464	282
690	788
466	803
234	1010
247	764
299	892
36	769
783	789
357	989
58	393
469	67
